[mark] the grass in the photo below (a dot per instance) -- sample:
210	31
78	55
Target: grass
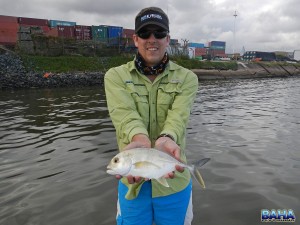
63	64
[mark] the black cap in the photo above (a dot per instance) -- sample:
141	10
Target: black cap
151	15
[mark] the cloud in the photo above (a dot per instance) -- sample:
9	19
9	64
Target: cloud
260	25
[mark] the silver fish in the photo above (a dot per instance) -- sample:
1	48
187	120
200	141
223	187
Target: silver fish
151	163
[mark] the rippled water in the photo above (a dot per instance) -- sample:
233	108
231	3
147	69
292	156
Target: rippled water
55	145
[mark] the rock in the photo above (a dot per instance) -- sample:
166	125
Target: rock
14	75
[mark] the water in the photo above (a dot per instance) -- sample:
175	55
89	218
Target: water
55	145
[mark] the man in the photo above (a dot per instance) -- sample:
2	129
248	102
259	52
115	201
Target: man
149	100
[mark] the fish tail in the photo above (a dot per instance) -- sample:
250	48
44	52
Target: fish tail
194	169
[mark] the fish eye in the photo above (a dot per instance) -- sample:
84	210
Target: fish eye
116	160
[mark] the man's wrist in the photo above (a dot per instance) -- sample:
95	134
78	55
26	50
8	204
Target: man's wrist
166	135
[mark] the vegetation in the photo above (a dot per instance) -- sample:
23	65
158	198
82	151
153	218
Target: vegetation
93	64
198	64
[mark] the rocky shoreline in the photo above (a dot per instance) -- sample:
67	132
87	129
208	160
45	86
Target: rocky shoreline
250	70
13	74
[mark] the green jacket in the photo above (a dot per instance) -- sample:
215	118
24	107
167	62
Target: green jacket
138	106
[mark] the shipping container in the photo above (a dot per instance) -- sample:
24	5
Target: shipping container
128	33
53	32
44	29
220	53
217	47
114	31
200	51
32	21
66	31
195	45
115	35
174	42
8	19
127	39
8	30
217	43
217	51
100	33
55	23
83	32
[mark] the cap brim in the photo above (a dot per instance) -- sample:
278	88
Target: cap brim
152	23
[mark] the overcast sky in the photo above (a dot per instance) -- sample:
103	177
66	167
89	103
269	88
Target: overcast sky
262	25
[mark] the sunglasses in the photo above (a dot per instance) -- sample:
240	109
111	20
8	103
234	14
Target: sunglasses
157	34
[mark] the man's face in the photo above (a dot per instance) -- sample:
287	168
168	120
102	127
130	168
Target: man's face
151	48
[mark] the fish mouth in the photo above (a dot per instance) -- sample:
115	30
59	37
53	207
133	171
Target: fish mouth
109	171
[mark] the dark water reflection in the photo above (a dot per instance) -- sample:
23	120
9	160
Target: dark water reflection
55	145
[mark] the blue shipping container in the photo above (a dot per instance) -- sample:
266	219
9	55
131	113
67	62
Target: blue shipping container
115	35
55	23
115	32
218	43
195	45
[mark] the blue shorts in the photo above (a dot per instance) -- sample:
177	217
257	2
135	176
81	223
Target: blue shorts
175	209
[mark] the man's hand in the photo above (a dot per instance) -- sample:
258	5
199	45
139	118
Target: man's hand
138	141
170	146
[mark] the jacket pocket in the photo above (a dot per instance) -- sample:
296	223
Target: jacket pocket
138	93
167	93
165	98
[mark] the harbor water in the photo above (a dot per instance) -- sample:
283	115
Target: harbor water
55	145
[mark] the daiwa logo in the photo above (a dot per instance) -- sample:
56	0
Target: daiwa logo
149	16
279	215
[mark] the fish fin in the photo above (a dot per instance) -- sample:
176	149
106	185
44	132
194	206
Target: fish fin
199	178
163	181
143	164
202	162
196	173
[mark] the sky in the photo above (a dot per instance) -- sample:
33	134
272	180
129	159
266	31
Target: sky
268	25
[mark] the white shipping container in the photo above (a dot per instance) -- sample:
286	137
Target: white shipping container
297	55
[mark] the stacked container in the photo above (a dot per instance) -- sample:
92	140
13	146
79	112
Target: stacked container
66	31
195	45
217	48
200	52
199	49
83	32
33	22
8	30
100	33
55	23
114	35
127	37
174	42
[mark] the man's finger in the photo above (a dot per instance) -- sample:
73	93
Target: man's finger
118	177
179	168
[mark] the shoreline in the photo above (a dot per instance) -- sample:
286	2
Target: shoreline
249	71
13	74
